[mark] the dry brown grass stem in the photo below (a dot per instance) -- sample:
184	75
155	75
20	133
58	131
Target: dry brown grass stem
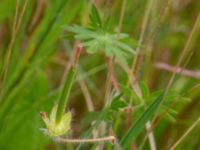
141	38
15	28
93	140
173	69
181	59
186	133
87	95
185	51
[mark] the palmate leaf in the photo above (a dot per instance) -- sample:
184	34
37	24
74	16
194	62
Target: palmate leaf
125	47
81	33
139	125
120	55
97	39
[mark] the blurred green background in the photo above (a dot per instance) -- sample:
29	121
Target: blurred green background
40	49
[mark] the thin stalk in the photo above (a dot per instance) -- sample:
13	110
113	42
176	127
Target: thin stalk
13	36
156	122
149	42
135	86
182	56
121	18
133	68
111	80
32	54
107	85
180	61
171	105
144	25
87	96
15	29
110	76
185	72
21	15
185	51
102	139
88	100
186	133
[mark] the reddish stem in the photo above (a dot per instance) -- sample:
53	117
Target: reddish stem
97	3
43	115
77	55
113	79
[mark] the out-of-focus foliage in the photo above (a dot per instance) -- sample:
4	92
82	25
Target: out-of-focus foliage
42	49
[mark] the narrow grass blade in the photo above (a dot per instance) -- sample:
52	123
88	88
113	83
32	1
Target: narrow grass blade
139	125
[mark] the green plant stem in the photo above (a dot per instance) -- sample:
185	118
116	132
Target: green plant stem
65	93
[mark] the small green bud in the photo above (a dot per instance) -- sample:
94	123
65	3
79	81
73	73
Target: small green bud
54	128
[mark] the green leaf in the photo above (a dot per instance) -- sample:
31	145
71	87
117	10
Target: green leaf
95	18
120	36
154	95
139	125
117	103
107	24
92	48
82	33
125	90
89	118
125	47
121	56
144	89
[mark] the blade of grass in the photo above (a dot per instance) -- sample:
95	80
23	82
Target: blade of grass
13	86
21	72
139	125
15	29
156	122
13	36
135	60
185	51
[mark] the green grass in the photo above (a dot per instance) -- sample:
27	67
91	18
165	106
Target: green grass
124	88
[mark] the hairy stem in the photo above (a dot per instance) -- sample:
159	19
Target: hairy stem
102	139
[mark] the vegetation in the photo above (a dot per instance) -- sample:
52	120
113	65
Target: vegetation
115	74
